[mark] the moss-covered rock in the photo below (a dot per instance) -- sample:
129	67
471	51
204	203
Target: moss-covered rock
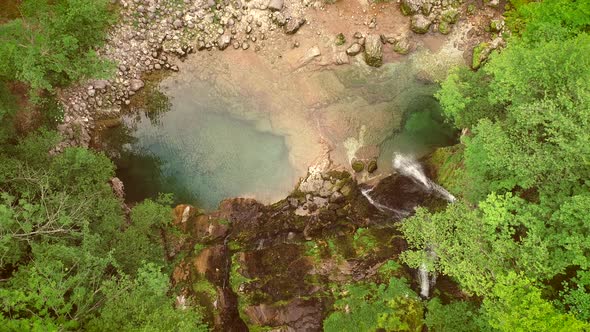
444	28
450	16
372	167
420	24
479	55
496	25
401	46
373	51
340	39
358	166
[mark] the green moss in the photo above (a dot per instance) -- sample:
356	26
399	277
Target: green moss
372	167
340	39
447	164
198	248
470	9
450	16
496	25
364	242
358	166
204	287
477	55
444	28
401	48
235	277
405	9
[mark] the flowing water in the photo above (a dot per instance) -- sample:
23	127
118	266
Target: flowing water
411	168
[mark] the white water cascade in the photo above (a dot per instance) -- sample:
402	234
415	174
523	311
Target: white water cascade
411	168
382	207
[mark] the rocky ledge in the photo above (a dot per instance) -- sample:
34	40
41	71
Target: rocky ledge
279	266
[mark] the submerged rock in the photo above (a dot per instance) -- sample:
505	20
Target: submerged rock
358	166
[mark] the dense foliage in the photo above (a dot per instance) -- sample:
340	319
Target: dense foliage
68	258
53	42
520	238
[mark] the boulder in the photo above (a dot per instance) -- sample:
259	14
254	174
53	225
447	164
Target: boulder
294	24
372	167
373	51
402	46
420	24
410	7
135	85
341	58
223	42
275	5
354	49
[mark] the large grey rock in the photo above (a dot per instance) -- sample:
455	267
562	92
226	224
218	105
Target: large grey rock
275	5
420	24
354	49
223	42
294	24
135	85
373	51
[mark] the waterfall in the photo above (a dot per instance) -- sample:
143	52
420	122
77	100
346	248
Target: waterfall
424	281
411	168
382	207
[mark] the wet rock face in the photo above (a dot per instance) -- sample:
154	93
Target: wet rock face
274	266
402	193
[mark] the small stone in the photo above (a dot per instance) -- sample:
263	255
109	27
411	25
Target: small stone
177	24
354	49
223	42
275	5
245	46
135	85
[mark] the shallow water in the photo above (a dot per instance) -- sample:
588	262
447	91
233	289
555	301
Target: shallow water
249	131
203	155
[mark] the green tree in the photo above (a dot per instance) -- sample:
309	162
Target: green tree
370	307
53	42
142	304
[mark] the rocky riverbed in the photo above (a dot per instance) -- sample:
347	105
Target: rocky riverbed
156	35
